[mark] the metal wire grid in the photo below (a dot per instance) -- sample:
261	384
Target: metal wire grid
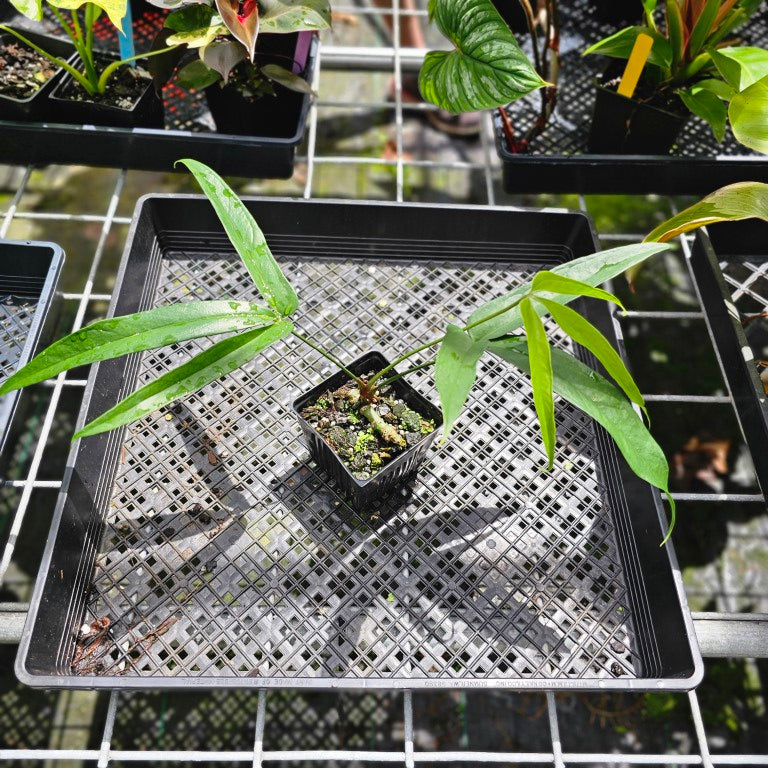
748	639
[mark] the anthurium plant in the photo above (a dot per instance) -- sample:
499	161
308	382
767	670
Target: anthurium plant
695	58
509	327
224	35
77	19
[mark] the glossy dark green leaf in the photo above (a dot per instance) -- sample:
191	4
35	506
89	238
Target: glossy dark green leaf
154	328
489	320
455	372
674	32
598	398
197	74
190	18
541	376
743	200
222	56
703	27
286	78
486	68
584	333
216	361
247	239
620	45
550	282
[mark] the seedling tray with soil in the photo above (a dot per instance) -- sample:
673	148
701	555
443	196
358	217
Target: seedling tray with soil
559	161
203	546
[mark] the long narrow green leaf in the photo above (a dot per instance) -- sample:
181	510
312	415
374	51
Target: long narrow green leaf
490	321
154	328
455	372
554	283
216	361
247	238
584	333
675	31
541	376
598	398
703	27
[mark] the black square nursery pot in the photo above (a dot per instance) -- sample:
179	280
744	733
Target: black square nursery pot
394	474
36	106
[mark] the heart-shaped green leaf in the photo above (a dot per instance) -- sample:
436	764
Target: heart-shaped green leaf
741	65
294	15
222	57
486	69
115	9
747	112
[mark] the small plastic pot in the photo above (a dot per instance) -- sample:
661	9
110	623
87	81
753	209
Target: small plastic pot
34	107
363	493
146	112
622	126
278	116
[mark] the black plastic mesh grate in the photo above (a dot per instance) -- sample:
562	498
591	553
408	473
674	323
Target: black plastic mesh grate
567	131
226	552
16	316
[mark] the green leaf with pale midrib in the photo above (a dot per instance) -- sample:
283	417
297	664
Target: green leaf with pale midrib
742	200
593	394
541	376
486	69
593	270
455	372
216	361
247	239
123	335
584	333
747	112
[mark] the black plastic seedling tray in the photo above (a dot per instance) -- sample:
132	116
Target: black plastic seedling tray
202	547
189	129
558	160
29	272
730	268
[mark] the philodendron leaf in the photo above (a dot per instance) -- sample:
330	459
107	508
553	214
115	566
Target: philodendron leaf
222	57
197	74
541	376
743	200
598	398
553	283
216	361
115	9
154	328
241	18
190	18
620	45
489	321
32	9
286	78
247	239
294	15
708	106
455	371
486	69
747	112
741	65
584	333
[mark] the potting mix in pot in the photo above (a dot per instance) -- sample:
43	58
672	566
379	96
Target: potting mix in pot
22	70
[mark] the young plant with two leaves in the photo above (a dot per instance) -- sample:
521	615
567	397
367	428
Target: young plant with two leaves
696	59
509	327
77	19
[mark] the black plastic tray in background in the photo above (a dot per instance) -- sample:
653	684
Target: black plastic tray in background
29	272
189	132
558	160
733	246
367	241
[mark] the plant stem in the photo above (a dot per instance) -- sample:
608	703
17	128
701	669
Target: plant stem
107	73
432	343
327	356
87	58
405	373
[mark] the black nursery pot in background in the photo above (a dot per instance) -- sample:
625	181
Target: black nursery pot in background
363	493
34	107
622	126
146	112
